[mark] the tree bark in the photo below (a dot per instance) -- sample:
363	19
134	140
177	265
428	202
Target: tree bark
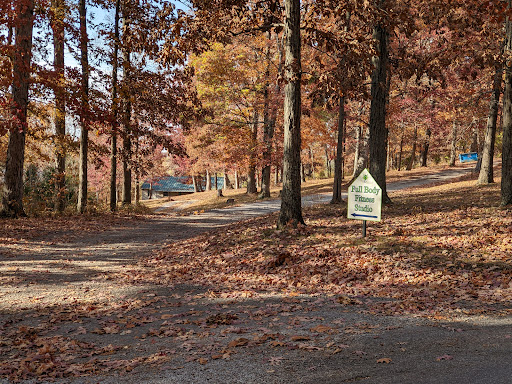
453	151
137	172
474	139
127	113
84	119
291	208
251	172
426	145
401	152
208	181
506	170
486	174
227	182
362	159
389	159
57	25
356	149
327	162
115	106
338	162
12	199
378	131
412	159
312	159
268	127
336	189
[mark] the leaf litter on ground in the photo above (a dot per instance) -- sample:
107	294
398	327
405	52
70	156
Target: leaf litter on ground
439	252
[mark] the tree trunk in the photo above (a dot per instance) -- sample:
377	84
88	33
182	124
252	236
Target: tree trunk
486	174
453	151
378	131
127	142
137	172
268	127
413	151
401	152
506	170
137	187
338	162
291	208
115	106
227	182
57	25
388	158
12	199
362	160
194	183
356	149
426	145
327	162
251	172
474	140
336	188
312	157
208	181
216	182
84	123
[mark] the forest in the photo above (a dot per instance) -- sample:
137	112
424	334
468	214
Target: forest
98	96
279	105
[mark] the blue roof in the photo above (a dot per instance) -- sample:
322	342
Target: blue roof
178	184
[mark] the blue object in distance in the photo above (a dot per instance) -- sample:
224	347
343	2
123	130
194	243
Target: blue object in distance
467	157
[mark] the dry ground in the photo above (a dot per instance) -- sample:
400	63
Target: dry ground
429	290
207	200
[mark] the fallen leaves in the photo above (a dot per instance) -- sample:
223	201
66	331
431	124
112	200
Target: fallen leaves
221	318
384	360
345	300
300	338
240	342
275	360
454	258
430	262
323	329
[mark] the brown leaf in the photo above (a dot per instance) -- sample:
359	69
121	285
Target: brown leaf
322	329
384	360
238	342
300	338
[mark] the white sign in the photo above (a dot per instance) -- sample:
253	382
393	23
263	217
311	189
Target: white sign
364	198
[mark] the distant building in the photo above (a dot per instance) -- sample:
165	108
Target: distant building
174	186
